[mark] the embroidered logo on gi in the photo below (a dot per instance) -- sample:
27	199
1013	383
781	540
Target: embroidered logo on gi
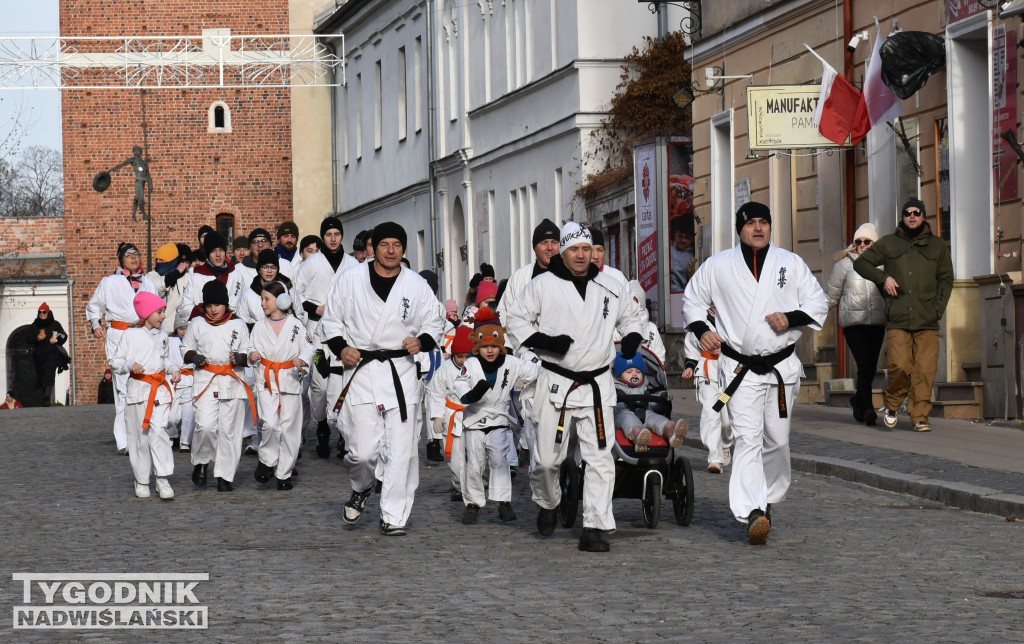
234	336
554	389
604	313
504	380
782	277
405	309
295	333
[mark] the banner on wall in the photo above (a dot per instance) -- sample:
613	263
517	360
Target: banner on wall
645	186
954	10
1004	113
680	224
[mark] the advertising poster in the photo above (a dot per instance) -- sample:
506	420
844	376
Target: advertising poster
646	189
1004	113
681	227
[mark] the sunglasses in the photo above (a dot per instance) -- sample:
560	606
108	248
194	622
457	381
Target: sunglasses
912	213
862	242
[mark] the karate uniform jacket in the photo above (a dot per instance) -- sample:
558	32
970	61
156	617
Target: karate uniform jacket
742	302
293	342
702	367
442	387
178	363
114	298
515	285
494	409
249	307
551	305
150	348
354	312
193	293
218	344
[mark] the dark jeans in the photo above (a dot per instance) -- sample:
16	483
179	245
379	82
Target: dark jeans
865	342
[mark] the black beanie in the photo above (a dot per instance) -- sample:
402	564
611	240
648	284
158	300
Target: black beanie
388	230
431	278
914	203
213	241
184	253
486	270
596	237
257	233
268	256
214	292
204	230
545	230
330	223
752	210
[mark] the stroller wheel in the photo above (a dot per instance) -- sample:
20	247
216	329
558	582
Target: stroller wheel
682	481
652	501
570	479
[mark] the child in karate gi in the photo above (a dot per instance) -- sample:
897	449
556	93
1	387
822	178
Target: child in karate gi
631	381
486	389
281	352
182	420
142	355
715	428
218	344
445	409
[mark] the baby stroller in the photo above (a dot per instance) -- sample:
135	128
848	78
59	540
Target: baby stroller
660	471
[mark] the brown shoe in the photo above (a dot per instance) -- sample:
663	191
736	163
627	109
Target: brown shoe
758	527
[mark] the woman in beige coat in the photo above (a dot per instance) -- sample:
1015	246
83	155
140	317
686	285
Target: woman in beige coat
861	313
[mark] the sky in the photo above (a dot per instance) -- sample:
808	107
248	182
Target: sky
32	18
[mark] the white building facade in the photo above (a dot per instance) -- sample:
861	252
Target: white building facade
467	121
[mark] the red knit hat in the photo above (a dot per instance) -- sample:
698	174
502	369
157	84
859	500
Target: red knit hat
44	307
462	342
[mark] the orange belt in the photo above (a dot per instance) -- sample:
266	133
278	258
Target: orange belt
186	371
270	365
448	339
709	356
155	380
227	370
120	326
456	408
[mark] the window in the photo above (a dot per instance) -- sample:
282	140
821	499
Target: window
403	110
908	154
722	182
942	180
218	118
418	81
359	117
378	108
226	225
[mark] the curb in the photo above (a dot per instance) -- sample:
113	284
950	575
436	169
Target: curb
958	495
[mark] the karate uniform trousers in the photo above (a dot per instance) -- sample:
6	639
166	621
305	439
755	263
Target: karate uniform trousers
516	283
180	419
219	408
113	299
442	386
280	398
149	450
380	444
715	428
486	448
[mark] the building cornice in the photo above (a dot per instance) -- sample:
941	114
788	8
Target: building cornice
387	201
755	25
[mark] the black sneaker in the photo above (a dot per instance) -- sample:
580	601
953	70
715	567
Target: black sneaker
263	472
470	515
341	447
546	521
454	494
354	506
505	512
224	486
284	484
758	527
391	530
524	457
197	476
434	451
251	447
323	439
512	471
592	541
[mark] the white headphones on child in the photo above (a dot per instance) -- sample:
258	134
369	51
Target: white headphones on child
284	300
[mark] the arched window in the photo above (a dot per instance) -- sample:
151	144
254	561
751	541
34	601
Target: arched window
226	226
219	117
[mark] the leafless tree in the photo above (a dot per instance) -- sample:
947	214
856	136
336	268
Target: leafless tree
39	182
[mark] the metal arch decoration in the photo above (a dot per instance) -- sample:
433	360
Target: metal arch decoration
693	21
176	62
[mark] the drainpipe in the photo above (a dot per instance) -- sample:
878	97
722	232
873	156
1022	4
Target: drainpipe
334	135
71	339
850	171
430	144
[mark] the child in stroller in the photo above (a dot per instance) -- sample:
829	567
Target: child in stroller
637	410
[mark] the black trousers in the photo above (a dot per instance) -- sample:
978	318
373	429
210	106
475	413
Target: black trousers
865	342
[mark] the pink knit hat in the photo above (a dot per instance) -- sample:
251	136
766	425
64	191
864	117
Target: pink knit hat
451	306
146	304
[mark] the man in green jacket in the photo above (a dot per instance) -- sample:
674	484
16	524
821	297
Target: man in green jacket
916	279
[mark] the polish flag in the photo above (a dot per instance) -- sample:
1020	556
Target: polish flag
883	105
841	113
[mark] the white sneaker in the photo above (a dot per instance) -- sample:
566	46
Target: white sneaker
142	491
726	456
164	488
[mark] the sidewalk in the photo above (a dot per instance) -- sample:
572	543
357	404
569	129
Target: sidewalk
969	465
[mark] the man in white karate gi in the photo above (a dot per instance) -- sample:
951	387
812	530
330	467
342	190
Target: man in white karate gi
567	315
312	282
764	296
376	318
113	301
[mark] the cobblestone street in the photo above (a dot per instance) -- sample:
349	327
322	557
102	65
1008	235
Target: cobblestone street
844	562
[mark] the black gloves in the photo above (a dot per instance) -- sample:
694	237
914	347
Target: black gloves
240	359
321	363
195	358
476	393
630	344
557	345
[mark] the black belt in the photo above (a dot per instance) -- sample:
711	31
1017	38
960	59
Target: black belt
760	365
580	378
380	355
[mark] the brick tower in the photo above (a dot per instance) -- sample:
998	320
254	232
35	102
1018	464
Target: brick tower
220	157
